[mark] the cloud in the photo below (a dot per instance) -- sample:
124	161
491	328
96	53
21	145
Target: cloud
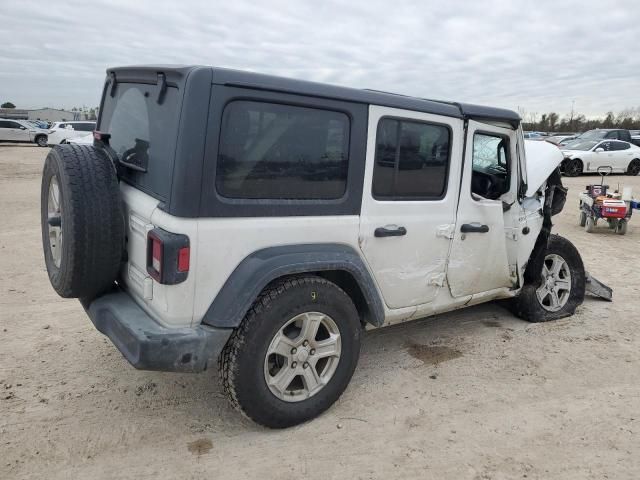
540	55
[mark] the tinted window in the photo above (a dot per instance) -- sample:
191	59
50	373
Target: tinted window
85	127
273	151
143	133
61	125
411	160
619	146
605	145
5	124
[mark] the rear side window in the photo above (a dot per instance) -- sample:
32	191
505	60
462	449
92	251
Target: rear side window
143	133
619	146
84	127
277	151
412	160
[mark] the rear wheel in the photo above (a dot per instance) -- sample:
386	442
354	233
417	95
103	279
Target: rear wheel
293	354
573	168
634	167
621	227
560	288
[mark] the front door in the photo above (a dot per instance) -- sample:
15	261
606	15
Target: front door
478	261
409	200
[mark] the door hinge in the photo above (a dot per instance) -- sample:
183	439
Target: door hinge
437	279
445	231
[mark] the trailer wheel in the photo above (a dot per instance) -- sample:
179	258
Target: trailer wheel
590	224
621	227
583	218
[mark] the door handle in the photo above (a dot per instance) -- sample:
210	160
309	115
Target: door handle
389	232
474	228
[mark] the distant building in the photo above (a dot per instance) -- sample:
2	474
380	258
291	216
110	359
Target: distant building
14	113
48	114
54	115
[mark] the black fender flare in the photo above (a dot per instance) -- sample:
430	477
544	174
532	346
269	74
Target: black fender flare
262	267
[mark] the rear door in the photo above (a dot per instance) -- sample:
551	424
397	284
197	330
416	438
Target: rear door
409	201
478	260
604	158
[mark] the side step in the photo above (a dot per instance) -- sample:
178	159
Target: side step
597	288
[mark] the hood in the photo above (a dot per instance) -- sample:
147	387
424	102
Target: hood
542	158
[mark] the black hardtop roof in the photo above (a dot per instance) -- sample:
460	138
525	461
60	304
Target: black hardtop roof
239	78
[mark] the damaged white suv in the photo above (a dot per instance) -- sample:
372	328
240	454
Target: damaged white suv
262	223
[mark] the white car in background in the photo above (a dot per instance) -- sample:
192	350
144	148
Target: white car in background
21	131
587	155
83	140
62	132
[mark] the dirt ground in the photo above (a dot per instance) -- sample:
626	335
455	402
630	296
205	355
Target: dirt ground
475	394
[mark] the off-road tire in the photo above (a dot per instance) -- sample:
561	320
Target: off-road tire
527	306
242	360
92	221
634	167
41	141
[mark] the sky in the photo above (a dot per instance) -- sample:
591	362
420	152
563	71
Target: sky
538	56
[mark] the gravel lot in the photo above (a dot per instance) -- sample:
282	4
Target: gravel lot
475	394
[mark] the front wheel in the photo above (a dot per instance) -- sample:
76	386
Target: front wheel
294	352
560	287
589	224
573	168
41	140
583	218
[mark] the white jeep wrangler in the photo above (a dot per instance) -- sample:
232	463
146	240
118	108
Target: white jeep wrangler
263	222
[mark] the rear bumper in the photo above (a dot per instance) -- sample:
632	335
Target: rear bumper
148	345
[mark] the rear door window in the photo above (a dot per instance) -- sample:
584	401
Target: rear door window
143	133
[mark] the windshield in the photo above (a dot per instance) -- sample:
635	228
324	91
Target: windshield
593	134
143	134
581	144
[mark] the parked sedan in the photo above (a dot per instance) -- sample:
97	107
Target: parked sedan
62	132
21	131
587	155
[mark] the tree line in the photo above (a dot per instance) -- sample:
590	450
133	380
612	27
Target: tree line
629	119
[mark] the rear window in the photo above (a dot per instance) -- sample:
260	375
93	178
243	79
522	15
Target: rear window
143	132
277	151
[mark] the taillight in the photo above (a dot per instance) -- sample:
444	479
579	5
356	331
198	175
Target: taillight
167	256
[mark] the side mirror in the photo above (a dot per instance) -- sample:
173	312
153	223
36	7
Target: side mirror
599	149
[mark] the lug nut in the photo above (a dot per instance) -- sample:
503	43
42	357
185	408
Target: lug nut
293	351
313	351
305	343
305	365
294	364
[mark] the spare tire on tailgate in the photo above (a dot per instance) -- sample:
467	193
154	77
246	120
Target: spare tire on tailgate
82	222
